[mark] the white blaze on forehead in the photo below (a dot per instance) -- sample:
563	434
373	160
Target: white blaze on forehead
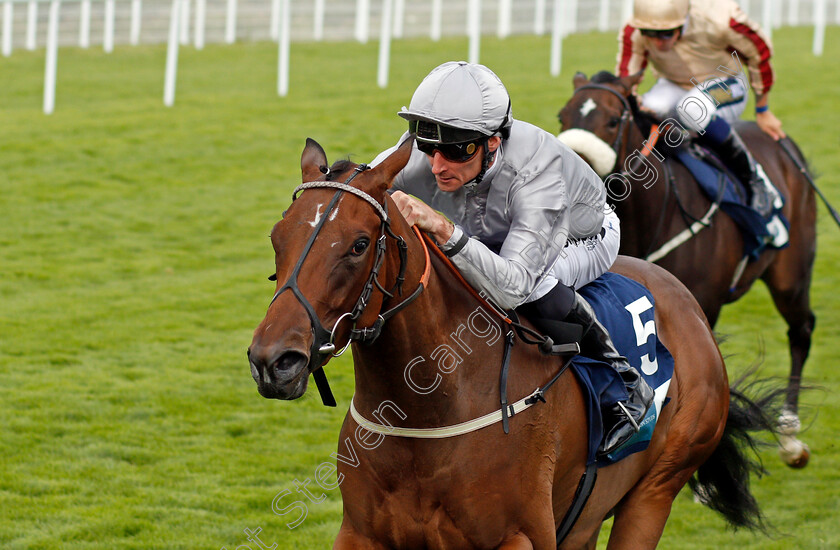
314	222
335	212
587	107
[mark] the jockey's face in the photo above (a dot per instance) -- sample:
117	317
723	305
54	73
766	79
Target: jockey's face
450	175
664	44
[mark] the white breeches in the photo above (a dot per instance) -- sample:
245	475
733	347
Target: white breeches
695	107
581	262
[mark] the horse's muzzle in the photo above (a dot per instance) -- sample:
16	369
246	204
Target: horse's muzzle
279	374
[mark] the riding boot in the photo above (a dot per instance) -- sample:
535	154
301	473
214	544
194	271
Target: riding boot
735	155
597	344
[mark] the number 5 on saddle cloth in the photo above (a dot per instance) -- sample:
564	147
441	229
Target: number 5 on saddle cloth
626	309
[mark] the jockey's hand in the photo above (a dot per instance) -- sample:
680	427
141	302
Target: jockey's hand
771	125
417	212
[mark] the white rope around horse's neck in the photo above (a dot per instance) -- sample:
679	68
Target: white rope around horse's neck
445	431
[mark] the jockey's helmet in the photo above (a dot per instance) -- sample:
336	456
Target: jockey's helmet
659	14
459	102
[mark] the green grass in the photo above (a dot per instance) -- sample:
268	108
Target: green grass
134	254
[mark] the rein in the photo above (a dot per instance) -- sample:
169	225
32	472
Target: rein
323	343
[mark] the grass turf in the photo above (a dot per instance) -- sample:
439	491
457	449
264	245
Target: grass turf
134	254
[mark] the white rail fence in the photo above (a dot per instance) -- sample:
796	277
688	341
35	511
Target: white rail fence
31	24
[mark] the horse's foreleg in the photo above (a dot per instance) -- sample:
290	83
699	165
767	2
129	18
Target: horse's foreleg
794	452
794	305
640	519
789	281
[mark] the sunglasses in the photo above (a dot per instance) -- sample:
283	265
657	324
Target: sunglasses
453	152
664	34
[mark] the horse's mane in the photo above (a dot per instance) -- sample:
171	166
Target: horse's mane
645	121
339	167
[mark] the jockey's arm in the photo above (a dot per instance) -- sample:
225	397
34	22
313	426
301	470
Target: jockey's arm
539	228
765	118
507	281
418	213
746	37
631	57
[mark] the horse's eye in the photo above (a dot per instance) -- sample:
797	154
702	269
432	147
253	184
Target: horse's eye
614	121
360	246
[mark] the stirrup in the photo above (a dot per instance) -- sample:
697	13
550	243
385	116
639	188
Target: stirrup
629	416
773	194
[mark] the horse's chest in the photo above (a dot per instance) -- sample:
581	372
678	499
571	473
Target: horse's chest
440	507
412	520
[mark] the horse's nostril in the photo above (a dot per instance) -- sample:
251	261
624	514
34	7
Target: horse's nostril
289	362
276	366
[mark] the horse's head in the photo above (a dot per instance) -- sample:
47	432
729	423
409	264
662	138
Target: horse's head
329	254
595	120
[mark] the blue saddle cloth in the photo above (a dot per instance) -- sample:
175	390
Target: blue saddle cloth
625	308
753	226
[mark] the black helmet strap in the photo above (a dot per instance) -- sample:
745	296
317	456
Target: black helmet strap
486	161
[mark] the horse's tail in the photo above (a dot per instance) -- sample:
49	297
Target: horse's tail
723	482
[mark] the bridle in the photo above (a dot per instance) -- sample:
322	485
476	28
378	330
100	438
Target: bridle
626	114
323	342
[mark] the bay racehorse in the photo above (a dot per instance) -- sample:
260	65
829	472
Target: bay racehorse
427	354
665	206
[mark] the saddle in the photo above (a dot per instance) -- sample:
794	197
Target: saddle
626	309
720	185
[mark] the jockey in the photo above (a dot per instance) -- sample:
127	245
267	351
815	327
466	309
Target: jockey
530	221
689	43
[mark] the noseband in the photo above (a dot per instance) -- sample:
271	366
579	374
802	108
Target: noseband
323	342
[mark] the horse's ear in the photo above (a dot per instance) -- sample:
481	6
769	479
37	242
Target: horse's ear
313	161
632	81
579	79
388	169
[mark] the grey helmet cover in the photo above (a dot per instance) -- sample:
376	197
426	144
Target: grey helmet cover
462	95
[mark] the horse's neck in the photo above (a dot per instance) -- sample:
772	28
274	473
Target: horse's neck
641	210
427	354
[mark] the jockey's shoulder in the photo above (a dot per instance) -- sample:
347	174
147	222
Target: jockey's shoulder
712	13
529	142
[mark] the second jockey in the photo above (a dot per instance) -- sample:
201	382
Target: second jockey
696	48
